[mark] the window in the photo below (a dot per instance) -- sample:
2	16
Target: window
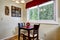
46	12
43	13
33	13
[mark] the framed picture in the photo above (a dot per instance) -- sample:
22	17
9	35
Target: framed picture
15	11
6	10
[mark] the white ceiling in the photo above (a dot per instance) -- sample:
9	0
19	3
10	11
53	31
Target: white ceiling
19	1
27	1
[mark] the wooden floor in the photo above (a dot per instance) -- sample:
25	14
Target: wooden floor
14	38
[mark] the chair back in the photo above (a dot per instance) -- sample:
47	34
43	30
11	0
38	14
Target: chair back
20	24
36	27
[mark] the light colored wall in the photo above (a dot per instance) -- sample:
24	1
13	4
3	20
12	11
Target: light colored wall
8	23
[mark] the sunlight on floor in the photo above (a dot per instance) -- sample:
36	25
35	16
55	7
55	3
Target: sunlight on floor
14	38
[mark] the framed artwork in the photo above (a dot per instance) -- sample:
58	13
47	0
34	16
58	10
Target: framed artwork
15	11
6	10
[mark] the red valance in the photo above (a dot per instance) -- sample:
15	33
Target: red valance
35	2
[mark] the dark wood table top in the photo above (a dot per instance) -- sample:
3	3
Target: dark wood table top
26	28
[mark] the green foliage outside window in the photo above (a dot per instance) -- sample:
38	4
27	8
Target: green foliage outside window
46	12
34	14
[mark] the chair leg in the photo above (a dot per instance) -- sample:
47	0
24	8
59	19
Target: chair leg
24	38
30	38
37	38
33	38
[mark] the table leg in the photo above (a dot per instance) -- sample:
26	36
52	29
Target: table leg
18	33
28	34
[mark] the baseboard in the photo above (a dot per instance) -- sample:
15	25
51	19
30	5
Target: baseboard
8	37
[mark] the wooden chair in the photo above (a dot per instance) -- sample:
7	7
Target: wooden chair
33	34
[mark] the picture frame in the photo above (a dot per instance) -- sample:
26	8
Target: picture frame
6	10
15	11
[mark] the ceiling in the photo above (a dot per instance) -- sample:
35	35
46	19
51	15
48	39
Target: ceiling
19	1
28	1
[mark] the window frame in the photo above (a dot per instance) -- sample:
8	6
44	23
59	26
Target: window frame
54	21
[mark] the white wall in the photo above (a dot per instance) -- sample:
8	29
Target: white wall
8	23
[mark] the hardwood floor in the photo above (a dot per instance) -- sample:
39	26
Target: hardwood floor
15	38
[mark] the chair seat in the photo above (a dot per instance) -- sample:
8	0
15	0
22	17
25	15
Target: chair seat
26	34
23	31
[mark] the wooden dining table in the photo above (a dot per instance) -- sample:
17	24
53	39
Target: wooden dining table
27	29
